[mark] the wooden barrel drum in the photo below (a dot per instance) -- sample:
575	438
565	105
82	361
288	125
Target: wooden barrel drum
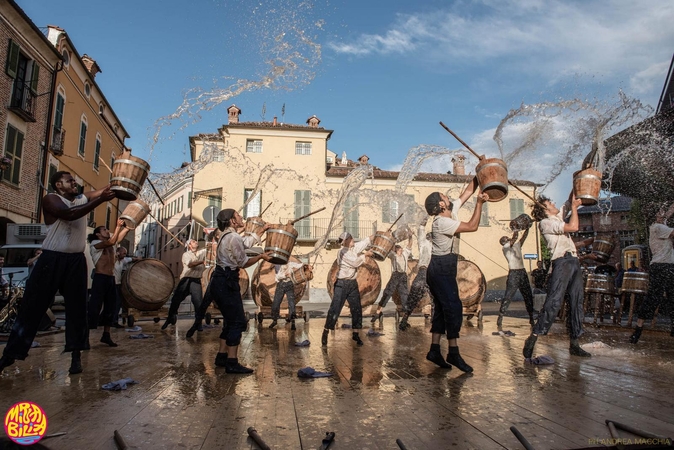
280	242
128	175
587	185
635	282
382	244
147	285
263	285
134	213
472	286
599	283
368	278
602	249
244	280
492	176
413	266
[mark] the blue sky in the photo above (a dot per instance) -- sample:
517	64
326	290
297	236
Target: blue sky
381	74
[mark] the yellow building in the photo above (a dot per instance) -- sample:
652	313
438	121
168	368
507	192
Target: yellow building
85	134
291	167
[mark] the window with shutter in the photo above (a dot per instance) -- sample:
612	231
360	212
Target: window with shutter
13	151
484	217
35	76
12	64
351	216
254	146
83	138
516	207
303	207
252	209
97	153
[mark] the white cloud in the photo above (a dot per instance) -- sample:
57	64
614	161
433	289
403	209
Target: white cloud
650	78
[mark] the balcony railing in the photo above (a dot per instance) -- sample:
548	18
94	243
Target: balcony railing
311	229
57	140
23	102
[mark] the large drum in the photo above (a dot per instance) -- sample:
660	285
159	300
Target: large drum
635	282
587	185
368	278
602	249
128	175
147	285
254	225
134	213
280	242
264	285
413	266
599	283
244	280
382	244
492	176
472	285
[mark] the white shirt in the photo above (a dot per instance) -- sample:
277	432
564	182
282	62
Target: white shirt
232	247
443	231
120	267
67	236
425	247
189	257
349	260
283	271
399	262
514	255
559	242
661	244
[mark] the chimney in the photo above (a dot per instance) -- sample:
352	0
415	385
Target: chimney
275	122
459	168
91	65
313	121
233	114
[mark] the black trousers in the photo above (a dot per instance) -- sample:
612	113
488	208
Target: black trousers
660	291
103	292
441	279
186	286
345	290
53	271
226	293
283	288
418	290
518	279
566	278
398	282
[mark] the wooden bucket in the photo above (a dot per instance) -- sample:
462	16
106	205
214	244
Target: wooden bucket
492	176
635	282
382	244
128	175
521	223
254	225
603	249
244	280
302	274
368	278
263	285
280	242
134	213
587	185
147	285
472	285
599	283
413	266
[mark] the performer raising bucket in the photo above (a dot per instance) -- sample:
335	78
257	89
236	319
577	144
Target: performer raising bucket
448	313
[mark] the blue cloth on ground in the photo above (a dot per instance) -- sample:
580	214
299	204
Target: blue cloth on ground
310	372
141	336
304	343
119	384
373	332
542	360
134	329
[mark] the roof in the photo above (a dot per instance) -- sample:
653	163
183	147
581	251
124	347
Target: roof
619	203
35	28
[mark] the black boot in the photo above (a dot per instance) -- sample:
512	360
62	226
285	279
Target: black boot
403	324
374	318
636	335
292	325
356	338
499	321
194	328
575	349
106	339
5	361
455	359
324	338
75	363
233	366
221	360
272	324
436	358
170	320
529	345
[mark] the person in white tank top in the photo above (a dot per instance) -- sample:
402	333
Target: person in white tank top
61	267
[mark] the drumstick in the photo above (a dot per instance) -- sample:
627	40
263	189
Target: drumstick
270	203
306	215
459	139
166	229
389	228
106	166
529	196
155	191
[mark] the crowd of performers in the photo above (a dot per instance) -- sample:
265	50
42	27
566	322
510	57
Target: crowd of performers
62	267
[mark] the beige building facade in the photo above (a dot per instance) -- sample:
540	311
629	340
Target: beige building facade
289	171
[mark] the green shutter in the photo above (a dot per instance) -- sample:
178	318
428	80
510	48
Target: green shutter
484	217
12	64
35	78
386	212
58	115
16	166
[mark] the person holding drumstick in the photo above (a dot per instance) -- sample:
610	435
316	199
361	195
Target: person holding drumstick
225	289
517	276
284	287
441	277
419	286
398	280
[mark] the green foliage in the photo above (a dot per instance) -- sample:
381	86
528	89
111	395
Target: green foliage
546	255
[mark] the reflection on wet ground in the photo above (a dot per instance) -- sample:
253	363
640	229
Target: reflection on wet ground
379	392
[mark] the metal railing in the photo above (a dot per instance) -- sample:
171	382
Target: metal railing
23	101
315	228
57	140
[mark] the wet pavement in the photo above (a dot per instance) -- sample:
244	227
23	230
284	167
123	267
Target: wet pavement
378	393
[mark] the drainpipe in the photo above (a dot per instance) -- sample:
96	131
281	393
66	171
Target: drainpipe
48	136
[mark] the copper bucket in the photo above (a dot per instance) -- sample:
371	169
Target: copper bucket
302	274
147	285
492	175
134	213
587	185
254	225
382	244
128	175
280	242
603	249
